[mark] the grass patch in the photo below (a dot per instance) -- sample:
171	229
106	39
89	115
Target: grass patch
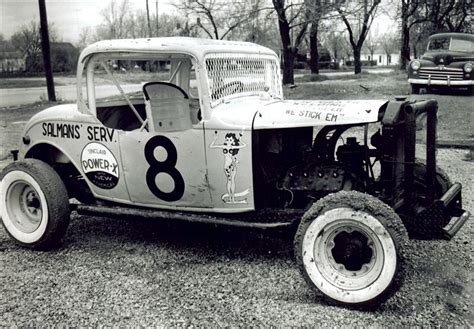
24	83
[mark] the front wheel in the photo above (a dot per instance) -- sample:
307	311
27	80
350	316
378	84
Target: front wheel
349	247
34	204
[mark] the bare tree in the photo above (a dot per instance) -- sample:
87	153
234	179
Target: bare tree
450	15
28	41
114	16
317	12
334	41
261	27
371	43
291	17
358	17
217	18
85	37
389	43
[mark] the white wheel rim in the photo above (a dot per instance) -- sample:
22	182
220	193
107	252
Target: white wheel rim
23	207
349	255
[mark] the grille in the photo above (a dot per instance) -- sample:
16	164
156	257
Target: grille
435	73
240	74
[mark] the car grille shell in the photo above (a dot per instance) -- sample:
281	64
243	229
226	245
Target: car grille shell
441	73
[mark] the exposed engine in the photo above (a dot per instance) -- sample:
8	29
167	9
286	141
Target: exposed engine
295	170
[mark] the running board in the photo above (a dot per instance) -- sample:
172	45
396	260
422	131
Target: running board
264	219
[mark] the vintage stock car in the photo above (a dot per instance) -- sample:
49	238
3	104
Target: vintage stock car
198	130
447	62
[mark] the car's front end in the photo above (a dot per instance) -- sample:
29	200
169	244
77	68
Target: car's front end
448	62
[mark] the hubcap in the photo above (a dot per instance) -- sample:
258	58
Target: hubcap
24	206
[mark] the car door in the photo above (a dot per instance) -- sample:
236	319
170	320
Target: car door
165	164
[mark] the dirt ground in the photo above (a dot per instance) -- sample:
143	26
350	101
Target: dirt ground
131	272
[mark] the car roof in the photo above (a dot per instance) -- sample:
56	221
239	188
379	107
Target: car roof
193	46
464	36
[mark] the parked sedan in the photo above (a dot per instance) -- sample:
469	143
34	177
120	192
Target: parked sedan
448	61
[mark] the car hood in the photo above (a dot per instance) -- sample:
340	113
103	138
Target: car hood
271	114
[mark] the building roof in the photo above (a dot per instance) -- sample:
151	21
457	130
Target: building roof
63	45
191	46
8	51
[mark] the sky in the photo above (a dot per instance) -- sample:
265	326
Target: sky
69	17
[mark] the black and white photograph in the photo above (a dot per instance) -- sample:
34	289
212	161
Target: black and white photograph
247	163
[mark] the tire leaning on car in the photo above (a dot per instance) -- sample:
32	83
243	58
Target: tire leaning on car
349	246
34	204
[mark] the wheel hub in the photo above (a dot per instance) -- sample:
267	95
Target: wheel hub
349	252
352	250
33	205
24	206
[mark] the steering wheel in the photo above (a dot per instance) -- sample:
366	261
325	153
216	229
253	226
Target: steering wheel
235	85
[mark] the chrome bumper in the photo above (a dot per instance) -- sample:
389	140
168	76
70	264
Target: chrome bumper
431	82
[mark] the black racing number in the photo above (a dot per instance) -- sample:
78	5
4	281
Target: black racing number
168	167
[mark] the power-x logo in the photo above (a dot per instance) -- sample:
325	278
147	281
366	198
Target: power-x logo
100	166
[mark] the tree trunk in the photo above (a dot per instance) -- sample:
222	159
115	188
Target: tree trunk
357	63
313	50
288	65
288	52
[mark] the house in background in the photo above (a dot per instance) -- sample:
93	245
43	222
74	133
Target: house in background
11	60
380	57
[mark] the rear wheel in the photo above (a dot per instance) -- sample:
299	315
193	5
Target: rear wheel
34	204
349	247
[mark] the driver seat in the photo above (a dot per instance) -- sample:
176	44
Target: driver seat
167	107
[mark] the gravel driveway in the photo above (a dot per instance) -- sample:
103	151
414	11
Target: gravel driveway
132	272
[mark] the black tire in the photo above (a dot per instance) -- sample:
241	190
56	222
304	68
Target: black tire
349	246
415	228
415	89
34	204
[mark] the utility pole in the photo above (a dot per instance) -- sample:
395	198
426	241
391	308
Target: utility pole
157	24
148	19
46	52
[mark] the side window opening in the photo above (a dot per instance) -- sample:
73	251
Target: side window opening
121	103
